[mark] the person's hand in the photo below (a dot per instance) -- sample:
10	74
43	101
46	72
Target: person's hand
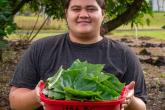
37	92
129	96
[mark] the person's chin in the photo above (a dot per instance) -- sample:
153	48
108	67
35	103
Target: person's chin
84	32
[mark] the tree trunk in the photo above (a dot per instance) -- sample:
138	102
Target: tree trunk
123	18
158	5
1	59
163	4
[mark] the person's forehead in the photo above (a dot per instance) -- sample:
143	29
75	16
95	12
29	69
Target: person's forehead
83	2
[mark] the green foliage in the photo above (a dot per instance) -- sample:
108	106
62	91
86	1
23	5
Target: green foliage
3	44
139	18
163	27
55	9
83	81
114	8
153	34
6	21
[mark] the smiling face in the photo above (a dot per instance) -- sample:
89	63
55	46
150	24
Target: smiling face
84	18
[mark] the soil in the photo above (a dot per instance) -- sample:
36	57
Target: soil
148	50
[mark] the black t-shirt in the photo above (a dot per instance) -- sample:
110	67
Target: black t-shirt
46	55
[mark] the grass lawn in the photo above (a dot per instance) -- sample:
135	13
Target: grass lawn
59	26
154	34
23	36
27	22
156	22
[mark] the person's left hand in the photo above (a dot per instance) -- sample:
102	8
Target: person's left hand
129	96
37	92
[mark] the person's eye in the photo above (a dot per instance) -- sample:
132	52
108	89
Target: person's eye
76	9
92	9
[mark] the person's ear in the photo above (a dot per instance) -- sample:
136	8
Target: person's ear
103	15
65	13
103	12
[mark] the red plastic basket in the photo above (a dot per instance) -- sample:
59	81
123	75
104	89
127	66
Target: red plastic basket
51	104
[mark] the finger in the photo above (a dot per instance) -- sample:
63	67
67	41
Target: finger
38	87
37	91
129	99
126	102
44	107
40	82
42	103
124	106
130	92
131	85
121	107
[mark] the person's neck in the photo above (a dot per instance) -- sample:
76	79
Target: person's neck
85	38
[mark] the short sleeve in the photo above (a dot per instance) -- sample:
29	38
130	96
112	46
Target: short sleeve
134	72
26	74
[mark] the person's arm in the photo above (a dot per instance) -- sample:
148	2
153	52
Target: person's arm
131	102
136	104
24	98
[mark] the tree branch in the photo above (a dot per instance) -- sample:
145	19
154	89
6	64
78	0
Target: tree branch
123	18
39	29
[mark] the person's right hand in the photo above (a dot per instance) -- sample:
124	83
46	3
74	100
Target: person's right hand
129	96
37	93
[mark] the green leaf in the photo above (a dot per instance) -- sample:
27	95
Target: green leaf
52	80
83	81
80	93
3	44
2	33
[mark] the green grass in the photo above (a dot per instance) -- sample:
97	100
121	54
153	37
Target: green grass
156	22
59	26
153	34
27	23
23	36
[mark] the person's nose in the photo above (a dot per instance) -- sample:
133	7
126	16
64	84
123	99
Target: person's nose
83	14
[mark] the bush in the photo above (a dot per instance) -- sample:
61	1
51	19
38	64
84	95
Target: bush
163	27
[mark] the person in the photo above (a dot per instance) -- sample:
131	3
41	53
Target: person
82	41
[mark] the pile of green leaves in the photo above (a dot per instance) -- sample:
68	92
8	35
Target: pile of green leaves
83	81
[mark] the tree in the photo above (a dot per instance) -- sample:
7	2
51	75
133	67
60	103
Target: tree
118	12
6	23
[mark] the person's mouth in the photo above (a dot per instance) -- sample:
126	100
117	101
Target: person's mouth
83	22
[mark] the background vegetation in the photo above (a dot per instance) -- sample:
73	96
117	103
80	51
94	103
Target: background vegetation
53	27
